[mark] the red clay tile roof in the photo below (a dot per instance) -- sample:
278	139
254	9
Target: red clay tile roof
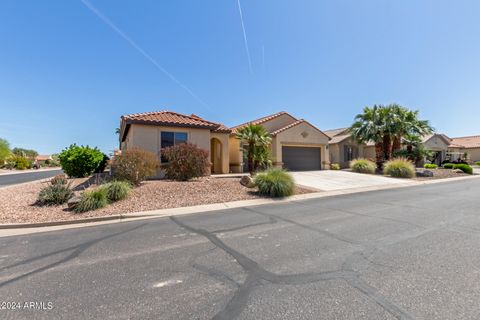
259	121
43	157
169	118
467	142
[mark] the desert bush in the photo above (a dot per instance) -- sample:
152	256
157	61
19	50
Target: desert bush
134	165
448	165
103	164
80	161
334	166
274	182
117	190
185	161
92	200
363	166
58	191
477	163
430	166
399	168
21	163
464	167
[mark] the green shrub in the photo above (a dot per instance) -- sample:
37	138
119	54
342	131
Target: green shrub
448	165
399	168
80	161
103	164
477	163
334	166
57	192
363	166
185	161
464	167
117	190
134	166
22	163
274	183
430	166
92	200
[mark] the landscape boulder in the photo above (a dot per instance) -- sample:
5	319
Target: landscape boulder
247	181
73	201
425	173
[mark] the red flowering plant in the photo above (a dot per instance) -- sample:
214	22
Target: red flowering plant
185	161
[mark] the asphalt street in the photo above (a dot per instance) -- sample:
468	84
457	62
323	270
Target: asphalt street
16	178
409	253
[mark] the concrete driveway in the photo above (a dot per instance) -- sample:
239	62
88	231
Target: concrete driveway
327	180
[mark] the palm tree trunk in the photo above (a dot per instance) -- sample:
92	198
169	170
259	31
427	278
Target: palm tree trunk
379	154
387	147
251	151
396	144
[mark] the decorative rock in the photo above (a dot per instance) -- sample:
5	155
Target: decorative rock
247	181
73	201
425	173
458	171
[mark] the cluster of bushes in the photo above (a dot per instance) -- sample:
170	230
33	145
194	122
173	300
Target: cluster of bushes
103	195
274	182
335	166
363	166
430	166
58	191
82	161
464	167
399	168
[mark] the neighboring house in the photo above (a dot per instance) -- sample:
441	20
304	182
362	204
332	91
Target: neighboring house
466	145
296	144
42	158
153	131
343	148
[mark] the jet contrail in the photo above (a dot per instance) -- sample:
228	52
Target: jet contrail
139	49
245	37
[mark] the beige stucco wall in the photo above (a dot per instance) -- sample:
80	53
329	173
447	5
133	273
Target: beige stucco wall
235	155
224	140
474	153
435	143
300	135
369	152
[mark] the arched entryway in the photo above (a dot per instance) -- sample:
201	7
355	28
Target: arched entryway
216	155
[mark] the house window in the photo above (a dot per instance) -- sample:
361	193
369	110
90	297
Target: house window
170	139
349	153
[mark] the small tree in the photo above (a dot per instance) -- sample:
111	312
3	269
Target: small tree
26	153
80	161
256	137
134	165
4	150
185	161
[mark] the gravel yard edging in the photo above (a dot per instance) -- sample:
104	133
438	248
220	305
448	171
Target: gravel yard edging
225	205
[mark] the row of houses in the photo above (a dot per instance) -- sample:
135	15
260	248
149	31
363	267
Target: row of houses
296	143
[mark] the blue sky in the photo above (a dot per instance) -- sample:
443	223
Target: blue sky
67	76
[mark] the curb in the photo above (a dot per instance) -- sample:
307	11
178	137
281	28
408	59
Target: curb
226	205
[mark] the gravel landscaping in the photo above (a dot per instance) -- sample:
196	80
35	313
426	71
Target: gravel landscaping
18	202
440	174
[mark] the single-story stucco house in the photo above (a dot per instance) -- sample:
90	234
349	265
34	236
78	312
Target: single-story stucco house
152	131
344	149
466	145
296	144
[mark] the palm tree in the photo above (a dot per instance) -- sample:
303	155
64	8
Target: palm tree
369	126
406	123
256	137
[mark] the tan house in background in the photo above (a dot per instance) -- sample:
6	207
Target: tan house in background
153	131
469	145
296	144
